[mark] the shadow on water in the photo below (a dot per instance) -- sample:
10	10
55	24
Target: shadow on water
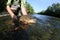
45	28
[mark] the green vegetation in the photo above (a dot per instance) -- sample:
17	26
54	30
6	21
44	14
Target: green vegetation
29	8
2	5
53	10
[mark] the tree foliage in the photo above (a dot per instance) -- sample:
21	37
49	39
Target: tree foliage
53	10
2	5
29	8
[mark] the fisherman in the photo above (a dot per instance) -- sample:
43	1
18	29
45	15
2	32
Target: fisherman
16	8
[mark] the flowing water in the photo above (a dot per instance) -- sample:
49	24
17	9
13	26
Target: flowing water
45	28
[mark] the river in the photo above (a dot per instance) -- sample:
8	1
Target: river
45	28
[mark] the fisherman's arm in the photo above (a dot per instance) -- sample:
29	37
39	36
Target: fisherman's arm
9	9
23	7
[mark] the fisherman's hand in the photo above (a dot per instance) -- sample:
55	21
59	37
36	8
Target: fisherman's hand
14	17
